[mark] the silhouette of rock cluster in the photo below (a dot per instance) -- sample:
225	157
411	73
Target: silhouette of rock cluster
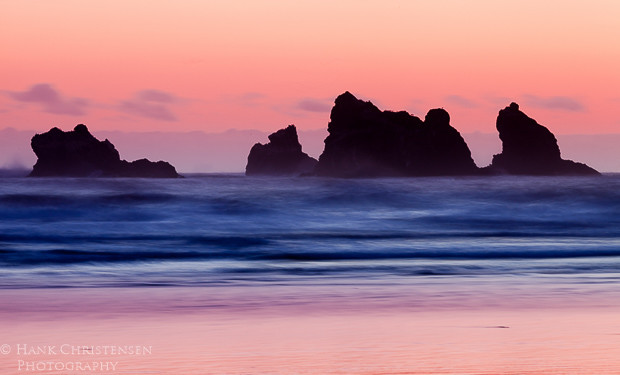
364	141
529	148
78	153
281	156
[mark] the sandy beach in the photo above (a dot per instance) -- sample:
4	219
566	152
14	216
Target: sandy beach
196	331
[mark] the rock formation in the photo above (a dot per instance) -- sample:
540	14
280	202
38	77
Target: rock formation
364	141
281	156
529	148
78	153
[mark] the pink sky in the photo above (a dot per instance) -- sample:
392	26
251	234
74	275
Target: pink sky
216	65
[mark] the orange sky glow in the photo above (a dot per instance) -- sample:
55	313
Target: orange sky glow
216	65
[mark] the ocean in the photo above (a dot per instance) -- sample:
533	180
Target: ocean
207	230
297	248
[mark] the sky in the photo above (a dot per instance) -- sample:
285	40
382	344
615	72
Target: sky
214	65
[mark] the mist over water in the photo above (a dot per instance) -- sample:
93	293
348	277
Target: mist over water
222	230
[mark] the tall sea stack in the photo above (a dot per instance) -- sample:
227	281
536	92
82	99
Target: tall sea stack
529	148
364	141
281	156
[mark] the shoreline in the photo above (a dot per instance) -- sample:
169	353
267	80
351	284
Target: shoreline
441	296
485	340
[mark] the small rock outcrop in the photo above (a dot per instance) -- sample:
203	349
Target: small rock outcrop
529	148
364	141
78	153
281	156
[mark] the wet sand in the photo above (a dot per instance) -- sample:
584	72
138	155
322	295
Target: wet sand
177	331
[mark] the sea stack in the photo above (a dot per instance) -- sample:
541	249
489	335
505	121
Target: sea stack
529	148
281	156
78	153
364	141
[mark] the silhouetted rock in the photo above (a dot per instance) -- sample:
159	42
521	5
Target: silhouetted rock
364	141
529	148
78	153
281	156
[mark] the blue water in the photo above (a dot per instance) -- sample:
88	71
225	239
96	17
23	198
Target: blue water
218	230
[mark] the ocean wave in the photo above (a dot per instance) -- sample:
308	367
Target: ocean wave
241	228
148	248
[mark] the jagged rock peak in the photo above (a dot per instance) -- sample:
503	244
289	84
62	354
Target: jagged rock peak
530	148
437	116
78	153
285	138
345	98
283	155
364	141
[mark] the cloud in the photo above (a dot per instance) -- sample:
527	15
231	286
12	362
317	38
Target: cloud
150	104
156	96
460	101
562	103
154	111
314	105
52	100
498	100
